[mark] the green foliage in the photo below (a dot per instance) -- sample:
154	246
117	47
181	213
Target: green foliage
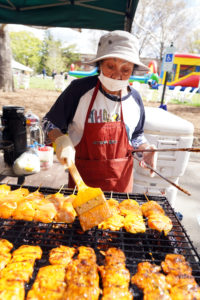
69	56
26	48
52	55
37	54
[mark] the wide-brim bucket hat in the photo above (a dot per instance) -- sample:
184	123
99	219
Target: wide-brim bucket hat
120	44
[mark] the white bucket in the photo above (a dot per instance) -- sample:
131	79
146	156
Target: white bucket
46	157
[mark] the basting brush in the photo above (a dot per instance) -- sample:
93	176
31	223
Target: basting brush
90	203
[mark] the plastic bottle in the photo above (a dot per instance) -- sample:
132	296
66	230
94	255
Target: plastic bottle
31	120
36	134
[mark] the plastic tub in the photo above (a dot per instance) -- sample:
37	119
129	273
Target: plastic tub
46	157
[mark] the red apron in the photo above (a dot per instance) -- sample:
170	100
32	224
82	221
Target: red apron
104	156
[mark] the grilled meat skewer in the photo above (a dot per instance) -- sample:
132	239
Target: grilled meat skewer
156	217
133	222
115	276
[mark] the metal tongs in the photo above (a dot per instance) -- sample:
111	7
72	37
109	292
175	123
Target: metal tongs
192	149
156	172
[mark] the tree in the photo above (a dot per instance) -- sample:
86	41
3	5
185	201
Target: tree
26	48
69	56
158	23
52	54
6	80
194	42
55	57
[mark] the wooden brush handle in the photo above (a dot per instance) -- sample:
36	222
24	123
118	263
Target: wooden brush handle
76	176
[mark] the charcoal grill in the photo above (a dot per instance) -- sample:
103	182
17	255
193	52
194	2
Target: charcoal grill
150	246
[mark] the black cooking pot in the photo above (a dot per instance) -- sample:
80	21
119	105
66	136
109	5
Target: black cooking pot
14	123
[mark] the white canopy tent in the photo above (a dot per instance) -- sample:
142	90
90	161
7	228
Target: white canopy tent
17	66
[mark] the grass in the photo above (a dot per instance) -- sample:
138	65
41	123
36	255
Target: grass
194	102
40	83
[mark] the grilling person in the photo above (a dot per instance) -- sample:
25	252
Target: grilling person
102	117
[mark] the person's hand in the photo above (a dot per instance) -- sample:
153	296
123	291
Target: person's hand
149	158
65	151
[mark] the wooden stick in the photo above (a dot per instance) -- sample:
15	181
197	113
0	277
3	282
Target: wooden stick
61	188
166	179
167	149
146	197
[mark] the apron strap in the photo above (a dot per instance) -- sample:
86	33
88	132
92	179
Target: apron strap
92	100
122	118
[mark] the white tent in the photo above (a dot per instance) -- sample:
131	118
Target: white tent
17	66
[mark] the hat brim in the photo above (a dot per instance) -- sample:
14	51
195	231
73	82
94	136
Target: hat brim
140	65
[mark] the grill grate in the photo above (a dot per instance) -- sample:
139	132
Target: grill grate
151	246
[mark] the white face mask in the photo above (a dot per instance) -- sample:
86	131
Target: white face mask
113	84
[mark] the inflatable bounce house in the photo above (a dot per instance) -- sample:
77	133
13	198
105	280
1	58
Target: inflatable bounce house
185	72
152	75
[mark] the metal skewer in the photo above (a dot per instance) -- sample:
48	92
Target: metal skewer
167	149
166	179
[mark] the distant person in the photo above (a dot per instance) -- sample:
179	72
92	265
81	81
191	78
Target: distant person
44	73
54	74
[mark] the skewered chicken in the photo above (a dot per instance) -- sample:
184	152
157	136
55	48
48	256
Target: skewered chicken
18	271
160	223
27	253
57	199
12	200
179	276
22	263
151	206
133	222
21	271
115	276
61	255
151	281
25	210
66	213
11	289
5	255
4	189
185	290
130	206
116	221
49	284
9	201
176	264
22	205
5	246
45	211
4	259
156	217
82	276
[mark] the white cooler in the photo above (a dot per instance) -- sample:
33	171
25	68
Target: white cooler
164	130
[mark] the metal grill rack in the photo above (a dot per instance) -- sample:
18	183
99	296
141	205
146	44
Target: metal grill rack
151	245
